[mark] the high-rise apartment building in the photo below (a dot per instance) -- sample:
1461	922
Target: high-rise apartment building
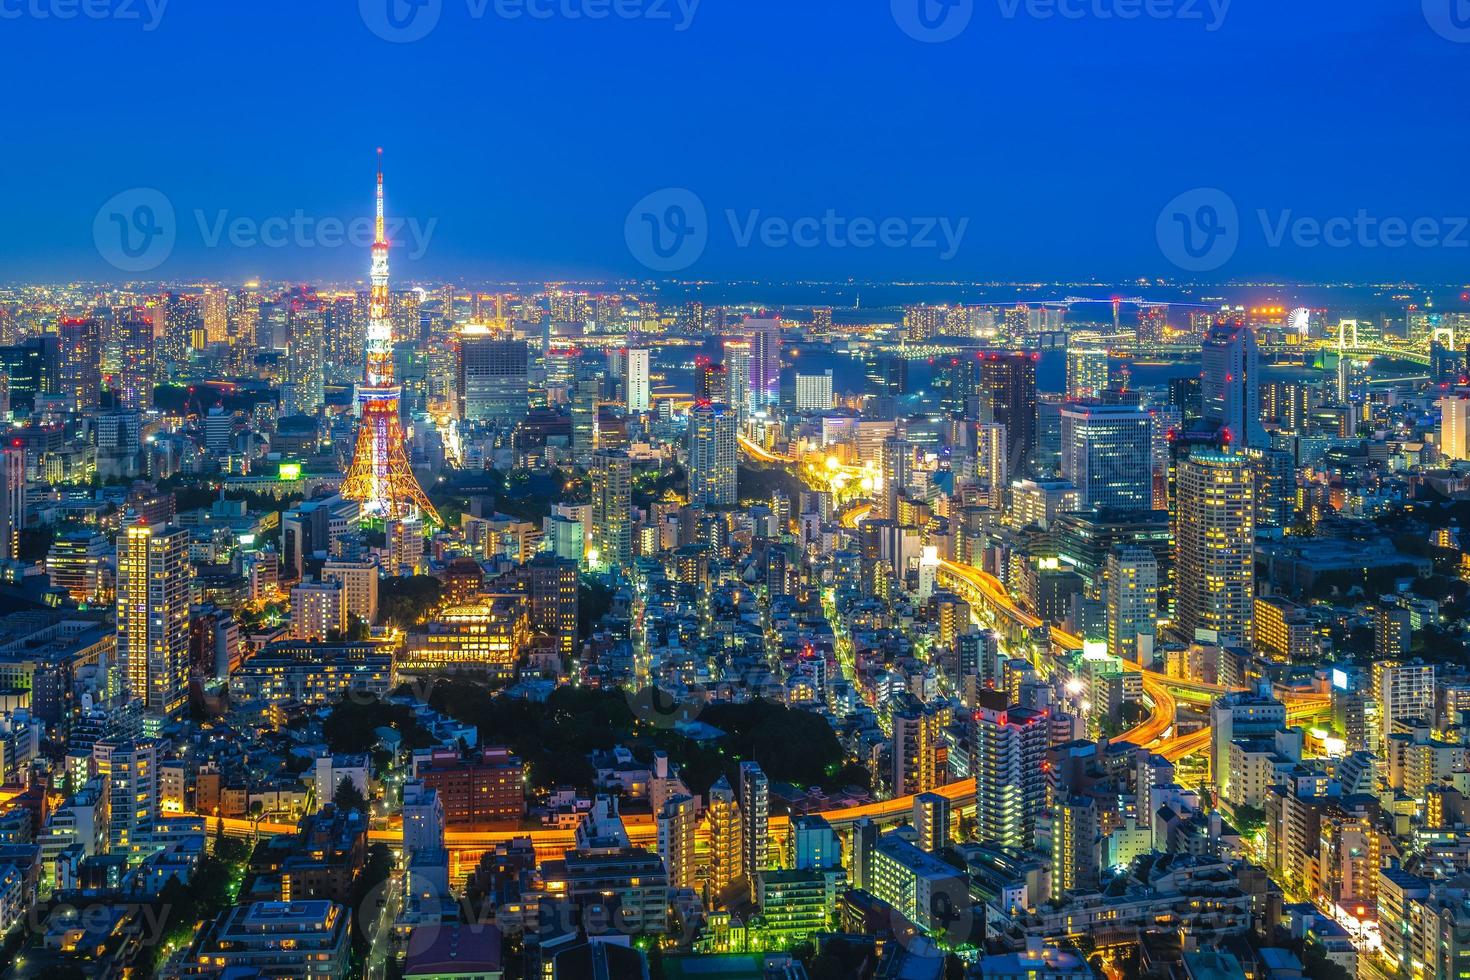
1133	603
727	840
80	362
612	511
1214	536
712	456
1010	780
755	804
765	360
153	574
1087	372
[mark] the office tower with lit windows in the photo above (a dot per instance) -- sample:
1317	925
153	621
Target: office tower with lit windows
1454	427
153	579
954	379
1132	603
711	381
492	377
886	381
1107	454
821	321
76	563
755	805
79	367
12	500
1214	539
135	363
738	355
765	360
712	456
1087	372
1275	479
1010	778
1007	391
586	401
612	506
636	381
1230	386
814	391
305	332
895	461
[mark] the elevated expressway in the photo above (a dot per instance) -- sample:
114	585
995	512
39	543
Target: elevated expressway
984	591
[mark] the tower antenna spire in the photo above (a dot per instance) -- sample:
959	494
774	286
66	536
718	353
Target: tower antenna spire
380	226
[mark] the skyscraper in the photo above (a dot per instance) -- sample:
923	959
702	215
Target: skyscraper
712	456
755	804
1010	781
992	464
738	355
80	362
492	376
1133	602
931	821
1231	384
677	823
1214	538
12	500
306	333
1007	393
712	382
727	840
135	369
916	740
636	381
1107	454
612	505
585	401
1087	372
886	381
216	315
153	574
380	477
765	360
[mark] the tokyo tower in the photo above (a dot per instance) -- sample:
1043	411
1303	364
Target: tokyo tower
380	478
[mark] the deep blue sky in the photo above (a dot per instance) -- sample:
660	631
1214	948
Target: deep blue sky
529	142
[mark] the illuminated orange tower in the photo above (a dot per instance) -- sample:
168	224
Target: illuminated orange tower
380	478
